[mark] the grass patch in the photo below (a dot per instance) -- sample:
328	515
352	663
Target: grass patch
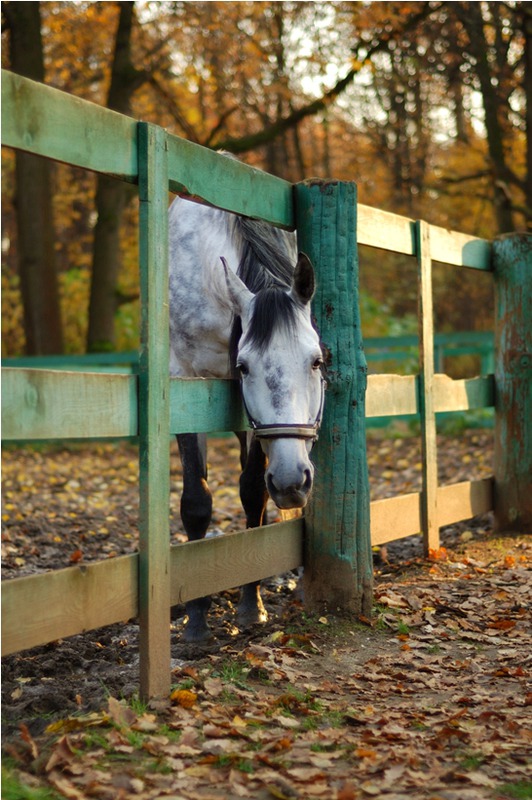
522	790
14	789
472	761
234	672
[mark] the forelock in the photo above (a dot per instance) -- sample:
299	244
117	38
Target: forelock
273	310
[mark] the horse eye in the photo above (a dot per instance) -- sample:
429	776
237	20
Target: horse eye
318	362
243	368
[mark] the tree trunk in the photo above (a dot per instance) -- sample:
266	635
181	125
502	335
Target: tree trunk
111	199
33	192
470	15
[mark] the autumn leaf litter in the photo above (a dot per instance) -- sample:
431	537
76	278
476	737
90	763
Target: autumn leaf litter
429	699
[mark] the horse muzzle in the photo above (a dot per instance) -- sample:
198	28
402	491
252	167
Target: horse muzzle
291	490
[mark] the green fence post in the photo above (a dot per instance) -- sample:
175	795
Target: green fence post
512	267
154	415
338	559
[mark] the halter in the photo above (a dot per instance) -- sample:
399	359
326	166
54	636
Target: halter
288	430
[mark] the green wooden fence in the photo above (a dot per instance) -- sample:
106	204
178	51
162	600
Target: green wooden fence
333	539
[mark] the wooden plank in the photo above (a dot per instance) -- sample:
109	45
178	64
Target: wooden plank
387	231
338	560
48	122
41	608
396	517
47	404
60	404
390	395
429	472
206	405
463	394
225	562
464	500
154	415
75	361
459	249
200	173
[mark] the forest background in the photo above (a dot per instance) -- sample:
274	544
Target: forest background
426	105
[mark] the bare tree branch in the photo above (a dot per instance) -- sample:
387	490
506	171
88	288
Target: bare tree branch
253	140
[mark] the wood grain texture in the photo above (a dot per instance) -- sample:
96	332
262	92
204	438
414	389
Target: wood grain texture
40	404
48	404
42	608
200	173
390	395
225	562
513	380
429	471
396	517
387	231
51	123
154	415
338	563
206	405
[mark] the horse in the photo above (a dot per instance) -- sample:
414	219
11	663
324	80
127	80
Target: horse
239	299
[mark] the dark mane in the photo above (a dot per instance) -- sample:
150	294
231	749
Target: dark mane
267	270
266	257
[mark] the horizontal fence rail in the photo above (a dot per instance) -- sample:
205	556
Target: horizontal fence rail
48	404
42	608
52	116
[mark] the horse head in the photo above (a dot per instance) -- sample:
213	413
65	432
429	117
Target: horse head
279	359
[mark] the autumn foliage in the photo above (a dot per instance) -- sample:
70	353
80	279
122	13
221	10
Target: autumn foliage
423	104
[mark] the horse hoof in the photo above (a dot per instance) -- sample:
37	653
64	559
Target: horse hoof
197	634
247	617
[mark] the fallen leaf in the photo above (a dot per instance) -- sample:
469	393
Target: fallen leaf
26	737
66	787
120	714
184	697
62	754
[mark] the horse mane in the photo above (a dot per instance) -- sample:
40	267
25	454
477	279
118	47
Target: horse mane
267	270
265	258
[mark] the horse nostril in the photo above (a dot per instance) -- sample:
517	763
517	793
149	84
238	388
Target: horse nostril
270	485
302	486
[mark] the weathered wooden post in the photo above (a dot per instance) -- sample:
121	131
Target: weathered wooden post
338	560
154	415
512	267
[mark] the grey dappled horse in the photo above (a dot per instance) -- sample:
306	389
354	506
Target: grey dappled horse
240	306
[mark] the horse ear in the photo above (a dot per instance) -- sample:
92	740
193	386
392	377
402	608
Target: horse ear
239	293
304	283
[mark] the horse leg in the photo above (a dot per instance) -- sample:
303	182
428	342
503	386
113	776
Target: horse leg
254	496
196	510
